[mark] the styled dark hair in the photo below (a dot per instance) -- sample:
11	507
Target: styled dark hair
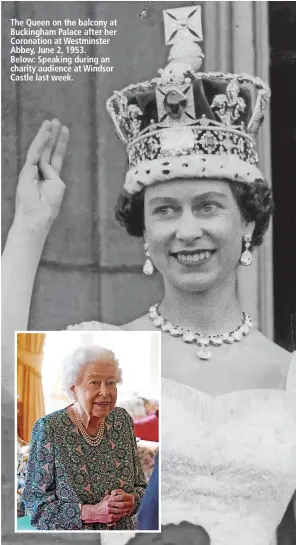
254	201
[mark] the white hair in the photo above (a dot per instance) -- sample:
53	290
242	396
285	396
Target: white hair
82	356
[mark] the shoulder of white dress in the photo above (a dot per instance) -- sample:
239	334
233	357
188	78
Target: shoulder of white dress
291	384
93	326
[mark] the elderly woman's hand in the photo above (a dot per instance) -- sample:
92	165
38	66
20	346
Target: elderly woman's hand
99	512
121	503
40	190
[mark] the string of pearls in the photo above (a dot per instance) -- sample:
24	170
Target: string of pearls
95	440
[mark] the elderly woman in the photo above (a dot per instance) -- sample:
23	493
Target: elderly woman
84	471
195	194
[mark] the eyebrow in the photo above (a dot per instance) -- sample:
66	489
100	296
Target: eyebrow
208	194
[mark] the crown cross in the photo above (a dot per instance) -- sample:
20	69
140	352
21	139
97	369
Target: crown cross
182	23
230	106
182	28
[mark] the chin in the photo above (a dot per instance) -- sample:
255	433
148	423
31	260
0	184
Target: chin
192	278
195	282
100	413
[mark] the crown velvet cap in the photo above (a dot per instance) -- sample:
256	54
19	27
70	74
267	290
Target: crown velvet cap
186	123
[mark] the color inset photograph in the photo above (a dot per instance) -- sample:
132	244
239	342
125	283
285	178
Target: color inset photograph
88	431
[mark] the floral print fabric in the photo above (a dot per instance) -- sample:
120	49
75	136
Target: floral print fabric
65	471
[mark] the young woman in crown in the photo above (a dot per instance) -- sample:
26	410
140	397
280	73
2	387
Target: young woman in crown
195	194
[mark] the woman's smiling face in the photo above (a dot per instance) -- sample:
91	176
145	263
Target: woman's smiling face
96	388
194	230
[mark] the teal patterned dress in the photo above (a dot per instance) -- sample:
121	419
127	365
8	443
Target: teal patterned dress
65	471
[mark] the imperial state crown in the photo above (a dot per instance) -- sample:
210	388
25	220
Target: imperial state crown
186	123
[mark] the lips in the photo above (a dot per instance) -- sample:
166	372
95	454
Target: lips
102	404
193	257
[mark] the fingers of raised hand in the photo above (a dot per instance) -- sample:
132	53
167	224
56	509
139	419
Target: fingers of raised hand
39	143
50	144
60	149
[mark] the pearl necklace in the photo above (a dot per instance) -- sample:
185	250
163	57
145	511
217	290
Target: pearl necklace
93	441
202	340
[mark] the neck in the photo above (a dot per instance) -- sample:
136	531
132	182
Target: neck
89	422
211	312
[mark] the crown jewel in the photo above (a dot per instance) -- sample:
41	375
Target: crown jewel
209	119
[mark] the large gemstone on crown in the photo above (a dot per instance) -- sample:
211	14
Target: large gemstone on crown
228	144
174	104
210	141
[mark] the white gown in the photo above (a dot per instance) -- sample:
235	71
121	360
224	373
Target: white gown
228	463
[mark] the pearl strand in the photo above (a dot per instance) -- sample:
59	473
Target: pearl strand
93	441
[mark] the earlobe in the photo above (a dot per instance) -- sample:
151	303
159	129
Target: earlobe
249	229
73	392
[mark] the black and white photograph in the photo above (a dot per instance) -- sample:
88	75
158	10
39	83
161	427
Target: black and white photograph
148	186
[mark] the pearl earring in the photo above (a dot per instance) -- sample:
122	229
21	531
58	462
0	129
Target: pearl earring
246	257
148	268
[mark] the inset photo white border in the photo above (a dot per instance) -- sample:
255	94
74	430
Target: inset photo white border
139	357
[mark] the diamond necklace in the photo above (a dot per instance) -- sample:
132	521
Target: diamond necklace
94	441
203	341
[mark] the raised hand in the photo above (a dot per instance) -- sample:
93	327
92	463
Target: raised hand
40	189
